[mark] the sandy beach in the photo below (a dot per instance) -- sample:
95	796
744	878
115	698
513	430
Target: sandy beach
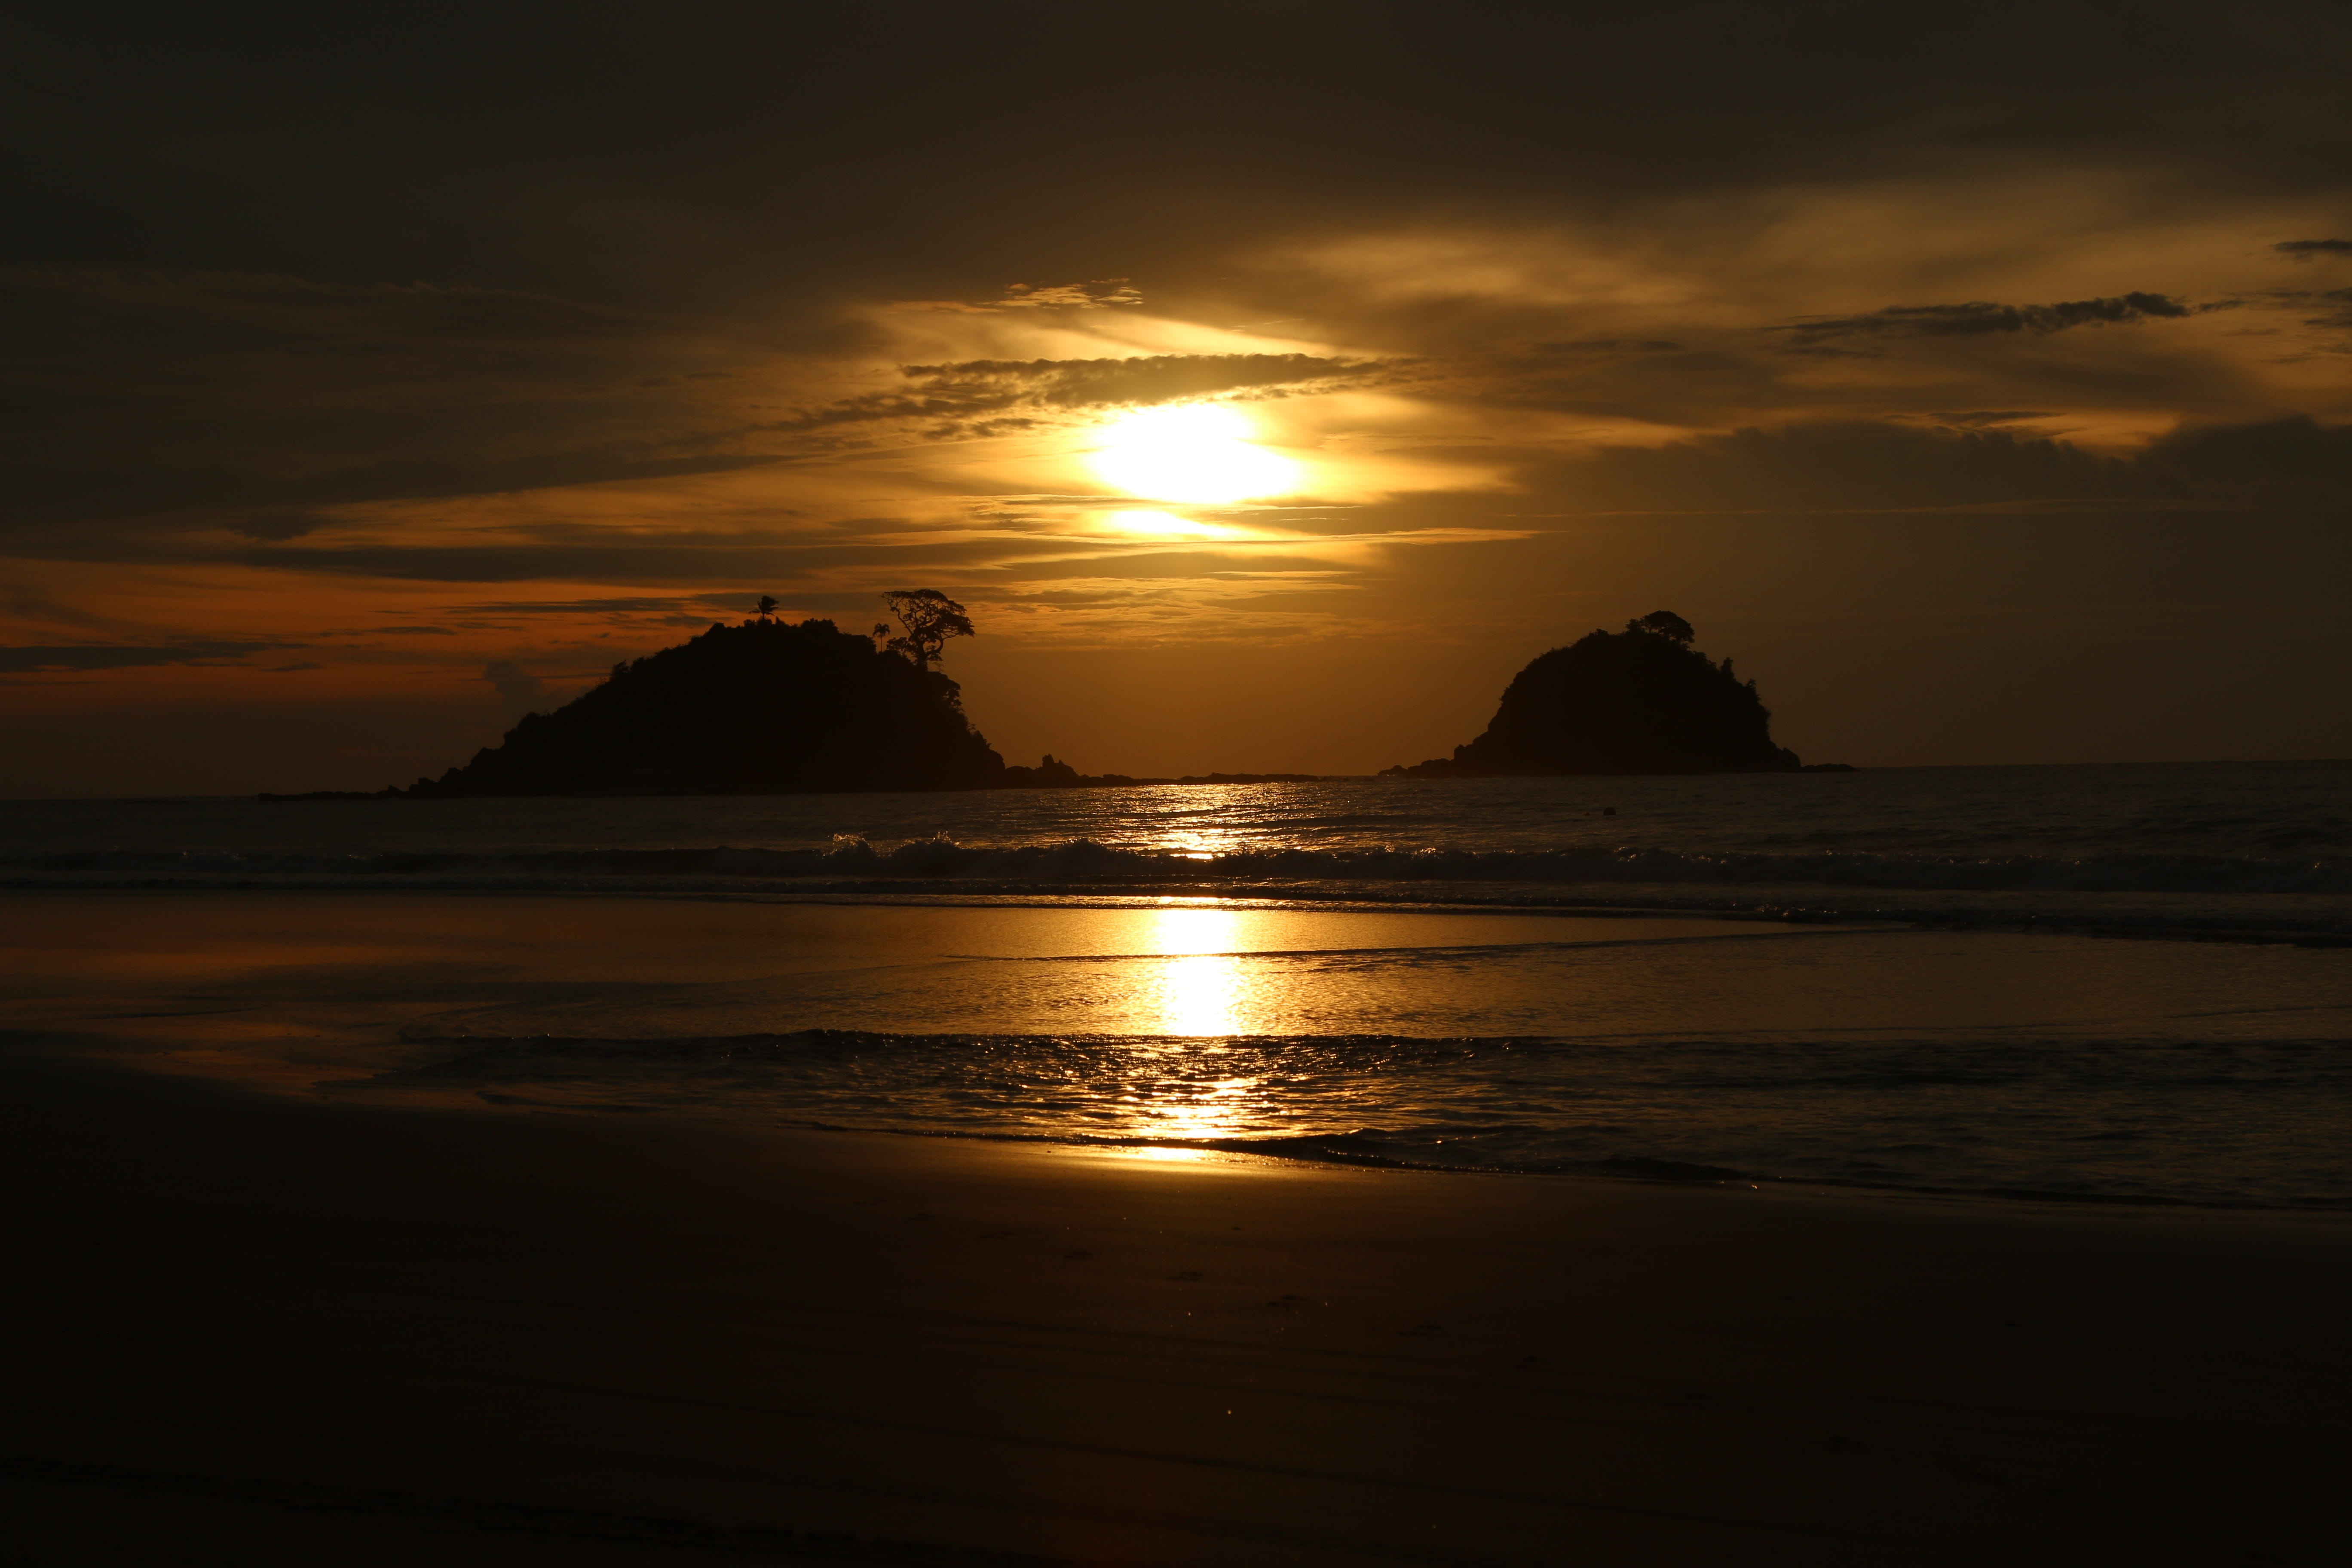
297	1279
248	1328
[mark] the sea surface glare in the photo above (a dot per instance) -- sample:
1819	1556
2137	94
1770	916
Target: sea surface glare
2129	983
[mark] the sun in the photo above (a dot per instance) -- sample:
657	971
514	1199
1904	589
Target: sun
1190	452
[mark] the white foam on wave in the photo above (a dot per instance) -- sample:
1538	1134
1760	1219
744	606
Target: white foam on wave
2233	1123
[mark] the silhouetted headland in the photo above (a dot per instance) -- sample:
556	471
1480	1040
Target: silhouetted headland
1643	700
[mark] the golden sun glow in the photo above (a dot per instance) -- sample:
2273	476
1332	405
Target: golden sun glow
1167	525
1190	452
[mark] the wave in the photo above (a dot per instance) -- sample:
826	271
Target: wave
2107	1121
1086	862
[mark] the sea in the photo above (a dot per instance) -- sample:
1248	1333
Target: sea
2122	984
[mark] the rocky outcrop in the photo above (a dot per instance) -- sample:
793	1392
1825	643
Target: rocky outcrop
1642	700
763	707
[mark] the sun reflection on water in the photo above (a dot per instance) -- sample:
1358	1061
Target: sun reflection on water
1199	987
1202	999
1199	995
1193	929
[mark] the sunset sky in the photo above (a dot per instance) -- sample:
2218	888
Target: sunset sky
1269	381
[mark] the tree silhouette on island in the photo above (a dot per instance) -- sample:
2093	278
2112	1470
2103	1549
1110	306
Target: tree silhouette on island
930	619
1643	700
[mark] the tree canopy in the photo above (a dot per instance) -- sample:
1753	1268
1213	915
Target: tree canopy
1664	624
930	619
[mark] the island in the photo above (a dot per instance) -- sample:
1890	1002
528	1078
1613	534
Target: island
1643	700
768	707
771	707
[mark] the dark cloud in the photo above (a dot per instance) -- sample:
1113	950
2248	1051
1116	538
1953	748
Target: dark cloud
1175	563
1864	466
957	396
701	150
153	314
282	259
769	562
142	395
83	657
32	494
1978	418
276	527
2295	460
640	606
1098	295
1839	466
519	689
31	602
128	395
1979	317
289	283
1657	383
1155	378
2339	306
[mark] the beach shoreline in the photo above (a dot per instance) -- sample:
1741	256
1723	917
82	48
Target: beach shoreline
330	1246
256	1328
1851	1054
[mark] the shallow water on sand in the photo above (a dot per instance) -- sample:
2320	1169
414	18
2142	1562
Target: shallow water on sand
1661	1045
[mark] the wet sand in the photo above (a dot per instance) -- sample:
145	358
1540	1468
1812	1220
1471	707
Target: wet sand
249	1329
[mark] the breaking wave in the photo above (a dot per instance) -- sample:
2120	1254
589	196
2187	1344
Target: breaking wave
1088	862
2207	1122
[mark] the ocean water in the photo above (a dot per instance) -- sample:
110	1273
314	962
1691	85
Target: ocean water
2121	984
2222	843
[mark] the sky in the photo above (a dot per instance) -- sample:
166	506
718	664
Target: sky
1270	382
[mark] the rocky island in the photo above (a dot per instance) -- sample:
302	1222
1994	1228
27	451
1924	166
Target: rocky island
771	707
1643	700
765	708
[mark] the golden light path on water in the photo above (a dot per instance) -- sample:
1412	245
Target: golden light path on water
1201	986
1187	1028
1200	1000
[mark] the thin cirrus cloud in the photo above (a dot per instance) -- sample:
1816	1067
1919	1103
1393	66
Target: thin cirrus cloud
1103	293
973	398
1870	465
60	657
1979	317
